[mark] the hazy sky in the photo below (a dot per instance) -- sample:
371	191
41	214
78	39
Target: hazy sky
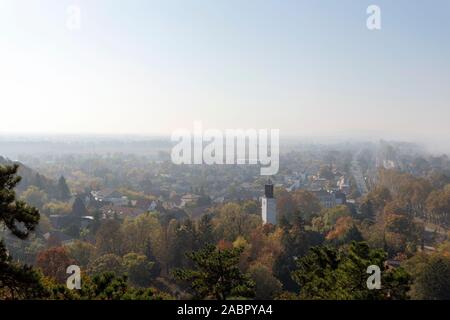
304	67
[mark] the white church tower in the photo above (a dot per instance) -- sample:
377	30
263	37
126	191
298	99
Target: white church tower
269	205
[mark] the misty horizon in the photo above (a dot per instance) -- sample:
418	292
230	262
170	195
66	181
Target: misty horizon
263	154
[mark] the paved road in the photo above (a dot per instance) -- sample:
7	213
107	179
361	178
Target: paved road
356	171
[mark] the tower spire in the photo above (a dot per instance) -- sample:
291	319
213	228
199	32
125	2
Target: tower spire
268	204
268	189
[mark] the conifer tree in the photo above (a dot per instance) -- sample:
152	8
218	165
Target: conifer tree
16	281
217	274
63	191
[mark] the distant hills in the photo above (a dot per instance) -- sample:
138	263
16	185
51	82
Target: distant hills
30	177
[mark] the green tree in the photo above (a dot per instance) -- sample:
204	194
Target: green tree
252	207
205	231
232	222
375	201
266	285
184	241
344	231
138	268
35	197
295	241
333	214
110	238
433	282
140	233
438	206
78	208
329	273
217	274
81	251
56	207
108	286
107	263
16	281
16	215
63	191
19	281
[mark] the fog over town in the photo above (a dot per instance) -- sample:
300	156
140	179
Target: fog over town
224	150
